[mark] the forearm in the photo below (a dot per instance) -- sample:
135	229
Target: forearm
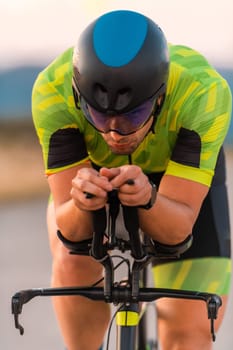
168	221
75	224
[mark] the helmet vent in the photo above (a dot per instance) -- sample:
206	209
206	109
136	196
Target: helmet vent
123	99
101	96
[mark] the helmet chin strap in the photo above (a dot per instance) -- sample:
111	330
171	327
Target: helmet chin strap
76	98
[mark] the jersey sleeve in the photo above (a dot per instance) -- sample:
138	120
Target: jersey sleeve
204	120
57	122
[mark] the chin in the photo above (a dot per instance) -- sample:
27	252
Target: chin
121	153
124	152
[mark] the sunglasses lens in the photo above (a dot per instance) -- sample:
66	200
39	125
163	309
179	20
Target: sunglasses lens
123	124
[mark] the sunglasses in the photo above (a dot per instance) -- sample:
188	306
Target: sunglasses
124	124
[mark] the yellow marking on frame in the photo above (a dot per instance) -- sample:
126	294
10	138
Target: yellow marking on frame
185	269
127	318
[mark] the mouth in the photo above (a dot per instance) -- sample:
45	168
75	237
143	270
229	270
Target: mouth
119	144
122	148
123	145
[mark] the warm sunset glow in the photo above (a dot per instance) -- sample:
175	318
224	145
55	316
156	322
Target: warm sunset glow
36	31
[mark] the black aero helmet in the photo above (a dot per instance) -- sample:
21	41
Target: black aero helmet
120	61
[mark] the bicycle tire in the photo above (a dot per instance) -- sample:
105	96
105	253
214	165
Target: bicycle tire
145	340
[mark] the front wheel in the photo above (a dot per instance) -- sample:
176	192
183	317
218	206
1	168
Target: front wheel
147	337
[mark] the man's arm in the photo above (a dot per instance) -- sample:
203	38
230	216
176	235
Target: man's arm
72	208
169	221
75	224
175	211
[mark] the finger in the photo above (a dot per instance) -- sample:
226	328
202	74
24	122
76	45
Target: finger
109	173
89	195
82	201
127	175
96	185
135	193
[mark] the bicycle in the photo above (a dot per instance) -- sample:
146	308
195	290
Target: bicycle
127	294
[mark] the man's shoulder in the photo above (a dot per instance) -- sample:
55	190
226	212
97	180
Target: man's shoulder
191	67
60	66
187	57
52	89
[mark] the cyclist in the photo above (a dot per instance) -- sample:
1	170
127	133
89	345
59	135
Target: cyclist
124	104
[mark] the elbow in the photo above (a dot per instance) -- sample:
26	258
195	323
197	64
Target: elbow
183	230
61	226
74	225
65	226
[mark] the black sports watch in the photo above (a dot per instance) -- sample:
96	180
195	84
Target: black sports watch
152	199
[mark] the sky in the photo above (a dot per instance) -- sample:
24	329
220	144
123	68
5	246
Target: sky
36	31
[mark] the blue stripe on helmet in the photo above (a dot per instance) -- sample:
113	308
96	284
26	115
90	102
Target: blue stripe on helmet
118	37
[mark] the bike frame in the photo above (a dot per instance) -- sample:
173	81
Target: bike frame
128	294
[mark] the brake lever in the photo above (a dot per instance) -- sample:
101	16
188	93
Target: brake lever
213	305
16	306
18	300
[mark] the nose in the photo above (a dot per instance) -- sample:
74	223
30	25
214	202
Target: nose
115	136
115	124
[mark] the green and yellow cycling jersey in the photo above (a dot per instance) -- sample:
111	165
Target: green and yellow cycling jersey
185	138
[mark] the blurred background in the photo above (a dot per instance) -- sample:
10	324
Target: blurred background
33	33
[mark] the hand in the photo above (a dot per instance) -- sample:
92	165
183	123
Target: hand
88	180
135	194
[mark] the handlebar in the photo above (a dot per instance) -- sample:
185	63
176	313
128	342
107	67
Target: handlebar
113	292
